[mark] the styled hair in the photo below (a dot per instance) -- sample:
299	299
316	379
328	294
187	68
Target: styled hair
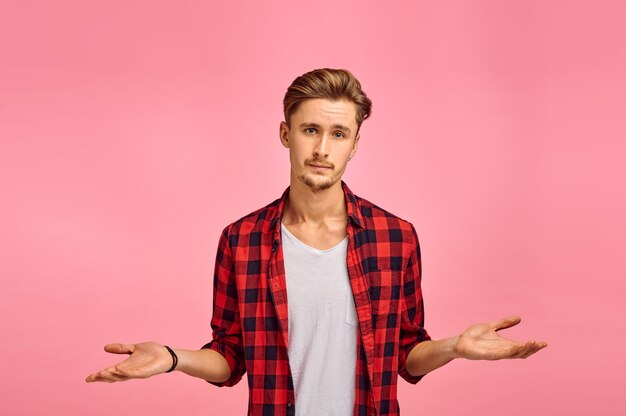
332	84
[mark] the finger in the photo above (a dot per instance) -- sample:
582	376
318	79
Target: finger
113	376
538	346
106	378
99	376
95	377
507	322
103	375
118	348
122	371
109	375
525	350
513	351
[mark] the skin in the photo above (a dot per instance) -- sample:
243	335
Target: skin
478	342
316	213
323	133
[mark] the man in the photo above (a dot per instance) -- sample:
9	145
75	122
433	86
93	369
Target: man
317	295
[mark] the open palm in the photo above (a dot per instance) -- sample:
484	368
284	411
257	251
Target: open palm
483	342
146	359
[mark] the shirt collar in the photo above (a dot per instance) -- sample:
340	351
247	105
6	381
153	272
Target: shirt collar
352	205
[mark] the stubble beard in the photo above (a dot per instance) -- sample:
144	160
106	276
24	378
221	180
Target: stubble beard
316	184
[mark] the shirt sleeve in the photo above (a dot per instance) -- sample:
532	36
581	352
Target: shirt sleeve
412	330
225	323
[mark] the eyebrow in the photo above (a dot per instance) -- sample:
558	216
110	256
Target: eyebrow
334	126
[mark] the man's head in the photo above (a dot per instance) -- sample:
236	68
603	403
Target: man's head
324	110
332	84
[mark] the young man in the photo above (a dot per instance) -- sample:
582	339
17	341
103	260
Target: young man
317	295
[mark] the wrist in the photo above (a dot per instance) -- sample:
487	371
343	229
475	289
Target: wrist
451	347
174	357
185	360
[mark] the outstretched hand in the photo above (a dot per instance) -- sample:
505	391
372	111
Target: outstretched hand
483	342
146	359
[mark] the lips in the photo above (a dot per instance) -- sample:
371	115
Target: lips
319	166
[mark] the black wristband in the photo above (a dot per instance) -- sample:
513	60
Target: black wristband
174	358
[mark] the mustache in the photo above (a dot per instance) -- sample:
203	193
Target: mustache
316	162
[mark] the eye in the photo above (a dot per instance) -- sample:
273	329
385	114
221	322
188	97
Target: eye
310	130
339	134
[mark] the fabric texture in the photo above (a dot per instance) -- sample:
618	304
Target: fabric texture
320	308
250	310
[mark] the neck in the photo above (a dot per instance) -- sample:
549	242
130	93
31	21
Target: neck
314	206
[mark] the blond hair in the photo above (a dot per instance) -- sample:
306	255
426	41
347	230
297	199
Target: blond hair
332	84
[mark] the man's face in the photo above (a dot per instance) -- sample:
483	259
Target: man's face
321	139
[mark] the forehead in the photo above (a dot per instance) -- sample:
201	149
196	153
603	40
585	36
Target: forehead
325	111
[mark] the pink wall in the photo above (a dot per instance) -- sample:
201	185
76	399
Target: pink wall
132	132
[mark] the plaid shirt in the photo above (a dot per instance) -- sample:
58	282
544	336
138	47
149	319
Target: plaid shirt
250	306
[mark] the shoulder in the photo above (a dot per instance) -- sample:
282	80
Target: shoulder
257	220
379	219
376	216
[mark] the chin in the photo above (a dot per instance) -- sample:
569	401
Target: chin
317	183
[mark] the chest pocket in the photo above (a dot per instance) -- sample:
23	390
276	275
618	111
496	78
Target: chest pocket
384	290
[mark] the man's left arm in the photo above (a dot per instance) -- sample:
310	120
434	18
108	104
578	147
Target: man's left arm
477	342
412	331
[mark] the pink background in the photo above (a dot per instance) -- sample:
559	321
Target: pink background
133	132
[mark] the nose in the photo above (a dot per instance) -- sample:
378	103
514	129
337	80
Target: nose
321	147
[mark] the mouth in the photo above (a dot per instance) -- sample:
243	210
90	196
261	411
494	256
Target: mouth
319	166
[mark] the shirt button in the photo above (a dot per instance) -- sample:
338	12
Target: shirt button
288	404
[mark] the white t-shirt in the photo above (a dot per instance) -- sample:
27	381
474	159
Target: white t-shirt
322	327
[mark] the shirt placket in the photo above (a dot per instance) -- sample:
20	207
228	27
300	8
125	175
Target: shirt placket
278	290
360	291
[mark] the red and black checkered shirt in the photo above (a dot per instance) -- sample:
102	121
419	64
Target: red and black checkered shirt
250	306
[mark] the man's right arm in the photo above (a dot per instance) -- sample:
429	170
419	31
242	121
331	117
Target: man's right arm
226	323
206	364
220	362
148	359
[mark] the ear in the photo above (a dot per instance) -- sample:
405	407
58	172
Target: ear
283	134
354	147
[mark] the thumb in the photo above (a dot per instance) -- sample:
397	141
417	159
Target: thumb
507	322
120	348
